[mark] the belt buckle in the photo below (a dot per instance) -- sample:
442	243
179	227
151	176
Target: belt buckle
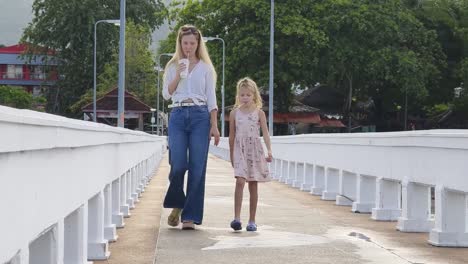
181	104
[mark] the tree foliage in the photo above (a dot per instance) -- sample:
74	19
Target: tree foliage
450	20
379	49
18	98
68	28
245	27
140	77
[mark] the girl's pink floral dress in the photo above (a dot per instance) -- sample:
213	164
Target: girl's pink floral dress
249	158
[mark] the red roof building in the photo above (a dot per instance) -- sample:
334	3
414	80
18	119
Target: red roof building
34	75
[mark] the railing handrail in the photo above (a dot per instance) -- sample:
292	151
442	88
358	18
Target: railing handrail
440	138
61	126
382	155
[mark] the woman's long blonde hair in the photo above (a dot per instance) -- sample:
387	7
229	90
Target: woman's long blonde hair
201	52
251	86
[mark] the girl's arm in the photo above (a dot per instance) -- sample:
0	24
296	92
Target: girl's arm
232	134
266	134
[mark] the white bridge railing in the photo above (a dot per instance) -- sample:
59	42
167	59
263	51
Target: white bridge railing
67	185
389	175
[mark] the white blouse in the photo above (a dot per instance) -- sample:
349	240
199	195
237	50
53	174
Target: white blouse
198	86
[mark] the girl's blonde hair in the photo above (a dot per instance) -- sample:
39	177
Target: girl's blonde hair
249	84
201	52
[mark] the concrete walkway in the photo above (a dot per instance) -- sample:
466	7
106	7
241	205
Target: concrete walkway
294	227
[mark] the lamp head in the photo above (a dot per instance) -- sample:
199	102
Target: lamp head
113	21
206	39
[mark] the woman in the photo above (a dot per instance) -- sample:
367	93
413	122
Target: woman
193	121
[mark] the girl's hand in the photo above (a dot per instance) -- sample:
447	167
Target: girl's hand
269	157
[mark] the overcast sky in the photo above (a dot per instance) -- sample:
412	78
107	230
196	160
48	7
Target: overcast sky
14	17
16	14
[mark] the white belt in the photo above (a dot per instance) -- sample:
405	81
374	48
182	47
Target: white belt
185	104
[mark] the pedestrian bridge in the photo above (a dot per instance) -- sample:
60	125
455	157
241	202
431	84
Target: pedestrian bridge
68	184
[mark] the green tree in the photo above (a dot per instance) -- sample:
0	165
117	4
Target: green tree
245	27
378	49
140	77
68	28
450	20
17	97
366	48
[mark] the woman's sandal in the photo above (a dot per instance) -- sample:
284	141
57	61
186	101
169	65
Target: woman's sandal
189	225
174	218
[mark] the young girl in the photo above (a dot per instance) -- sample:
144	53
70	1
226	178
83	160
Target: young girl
247	155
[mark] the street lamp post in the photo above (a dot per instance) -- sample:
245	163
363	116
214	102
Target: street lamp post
110	21
121	91
222	85
158	68
270	91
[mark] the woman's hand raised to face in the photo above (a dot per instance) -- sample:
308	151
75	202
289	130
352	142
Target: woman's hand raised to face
181	68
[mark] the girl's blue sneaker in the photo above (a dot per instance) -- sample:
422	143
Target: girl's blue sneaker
251	227
236	225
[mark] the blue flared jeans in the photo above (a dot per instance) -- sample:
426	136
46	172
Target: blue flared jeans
189	129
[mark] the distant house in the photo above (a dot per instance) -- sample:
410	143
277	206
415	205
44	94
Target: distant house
329	100
106	109
330	103
297	113
34	76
